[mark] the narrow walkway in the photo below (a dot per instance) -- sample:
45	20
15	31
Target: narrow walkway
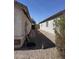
40	40
44	49
50	36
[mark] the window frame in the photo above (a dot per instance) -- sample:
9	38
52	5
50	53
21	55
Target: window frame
46	23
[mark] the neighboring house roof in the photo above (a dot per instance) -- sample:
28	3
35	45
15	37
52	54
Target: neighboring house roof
54	16
24	9
33	22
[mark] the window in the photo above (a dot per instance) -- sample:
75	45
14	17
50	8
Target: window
47	24
41	25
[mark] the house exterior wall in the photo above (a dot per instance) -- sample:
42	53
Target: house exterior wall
49	28
51	22
22	25
18	31
18	26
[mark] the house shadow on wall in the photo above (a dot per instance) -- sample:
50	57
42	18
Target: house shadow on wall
40	41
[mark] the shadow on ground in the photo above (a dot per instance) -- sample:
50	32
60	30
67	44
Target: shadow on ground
40	41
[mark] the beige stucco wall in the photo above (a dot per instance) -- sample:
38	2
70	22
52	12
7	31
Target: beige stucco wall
19	25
